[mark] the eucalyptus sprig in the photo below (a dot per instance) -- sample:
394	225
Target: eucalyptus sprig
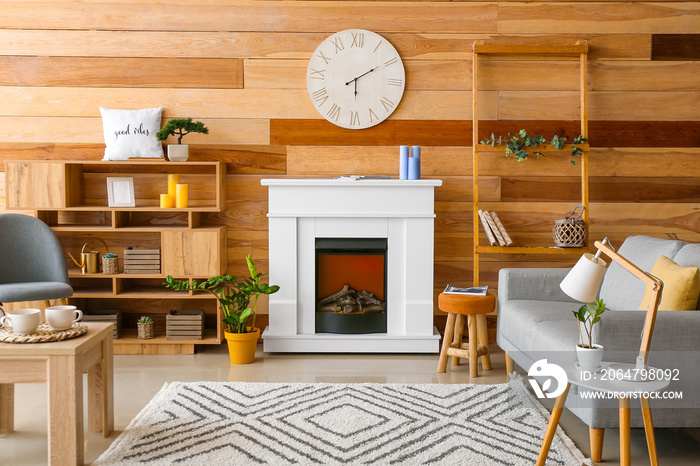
517	145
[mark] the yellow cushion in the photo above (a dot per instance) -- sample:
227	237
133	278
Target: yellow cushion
681	286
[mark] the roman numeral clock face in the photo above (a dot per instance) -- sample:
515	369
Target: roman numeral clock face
355	79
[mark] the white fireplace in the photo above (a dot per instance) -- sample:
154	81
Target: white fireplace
400	211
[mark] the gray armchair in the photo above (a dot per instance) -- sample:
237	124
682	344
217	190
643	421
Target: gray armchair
32	266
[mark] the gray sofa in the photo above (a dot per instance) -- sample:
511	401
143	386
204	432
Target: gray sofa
535	322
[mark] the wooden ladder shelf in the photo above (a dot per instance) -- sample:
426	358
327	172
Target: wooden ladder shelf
577	50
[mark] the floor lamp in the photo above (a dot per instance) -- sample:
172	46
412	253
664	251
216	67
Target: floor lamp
582	284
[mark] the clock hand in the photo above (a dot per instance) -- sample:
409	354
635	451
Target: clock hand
355	79
366	72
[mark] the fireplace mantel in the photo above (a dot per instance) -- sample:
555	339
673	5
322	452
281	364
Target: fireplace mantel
301	210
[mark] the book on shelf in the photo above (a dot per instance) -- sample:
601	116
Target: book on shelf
495	231
494	228
501	228
487	228
472	290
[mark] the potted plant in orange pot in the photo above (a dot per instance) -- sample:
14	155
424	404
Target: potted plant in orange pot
234	298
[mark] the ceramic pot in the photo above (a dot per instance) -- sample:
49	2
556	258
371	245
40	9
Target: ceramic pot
241	346
589	358
178	152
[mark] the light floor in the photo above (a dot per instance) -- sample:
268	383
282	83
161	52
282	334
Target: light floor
138	378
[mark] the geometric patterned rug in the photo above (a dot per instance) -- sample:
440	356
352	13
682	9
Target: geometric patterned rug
235	423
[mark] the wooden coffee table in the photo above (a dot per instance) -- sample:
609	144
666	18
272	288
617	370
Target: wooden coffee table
61	365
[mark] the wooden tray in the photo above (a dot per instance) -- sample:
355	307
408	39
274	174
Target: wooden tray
43	334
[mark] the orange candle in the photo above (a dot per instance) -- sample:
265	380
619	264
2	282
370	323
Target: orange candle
173	180
181	195
167	201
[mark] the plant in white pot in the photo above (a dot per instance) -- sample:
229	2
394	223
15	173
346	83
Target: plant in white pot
180	127
589	355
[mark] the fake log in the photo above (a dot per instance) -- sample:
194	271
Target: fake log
348	301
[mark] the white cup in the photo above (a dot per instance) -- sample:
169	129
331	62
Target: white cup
62	317
22	321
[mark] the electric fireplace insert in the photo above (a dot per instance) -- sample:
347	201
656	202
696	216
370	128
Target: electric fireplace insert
351	285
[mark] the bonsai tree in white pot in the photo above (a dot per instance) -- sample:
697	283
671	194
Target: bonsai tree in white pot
180	127
589	355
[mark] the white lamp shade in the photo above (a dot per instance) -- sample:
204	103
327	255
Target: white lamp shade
583	281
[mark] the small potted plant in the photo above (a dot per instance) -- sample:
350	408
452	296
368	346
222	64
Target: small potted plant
110	264
145	328
234	298
589	355
180	127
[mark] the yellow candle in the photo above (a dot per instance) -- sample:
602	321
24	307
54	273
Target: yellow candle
173	180
167	201
181	199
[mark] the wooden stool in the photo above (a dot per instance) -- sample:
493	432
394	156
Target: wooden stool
476	308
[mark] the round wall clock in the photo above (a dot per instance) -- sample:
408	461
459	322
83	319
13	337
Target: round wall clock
355	79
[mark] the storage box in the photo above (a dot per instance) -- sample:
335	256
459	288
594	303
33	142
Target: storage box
142	261
184	324
106	315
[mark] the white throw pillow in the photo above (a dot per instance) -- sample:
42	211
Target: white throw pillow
131	133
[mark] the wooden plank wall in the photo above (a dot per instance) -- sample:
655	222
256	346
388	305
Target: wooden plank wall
239	66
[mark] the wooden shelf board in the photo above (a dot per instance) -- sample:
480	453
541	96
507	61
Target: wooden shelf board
76	273
128	229
93	294
140	294
156	293
154	208
108	228
129	337
79	228
529	250
496	49
547	148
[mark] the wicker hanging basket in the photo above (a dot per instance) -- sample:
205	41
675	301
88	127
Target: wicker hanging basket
570	232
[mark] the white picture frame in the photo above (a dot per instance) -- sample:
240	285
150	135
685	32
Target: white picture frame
120	191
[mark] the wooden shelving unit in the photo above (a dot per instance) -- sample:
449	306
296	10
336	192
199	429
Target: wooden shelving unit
579	51
71	197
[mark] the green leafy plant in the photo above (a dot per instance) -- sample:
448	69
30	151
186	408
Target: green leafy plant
517	145
589	314
144	320
109	255
234	295
180	127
